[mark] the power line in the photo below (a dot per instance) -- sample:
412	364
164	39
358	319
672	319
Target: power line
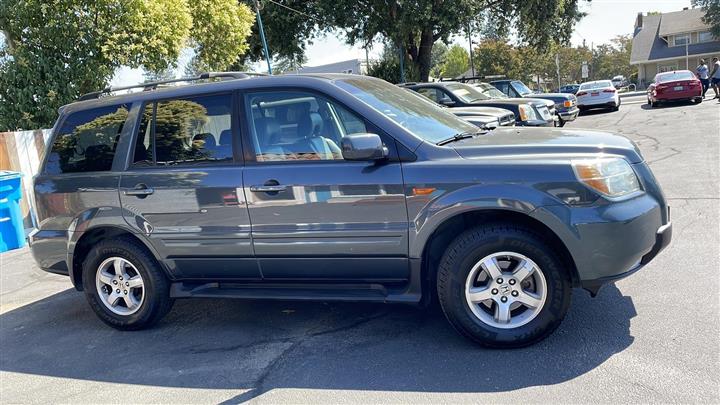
294	10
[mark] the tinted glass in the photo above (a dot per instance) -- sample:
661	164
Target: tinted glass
490	90
291	126
143	144
466	92
187	131
675	76
596	85
408	109
521	87
430	93
87	140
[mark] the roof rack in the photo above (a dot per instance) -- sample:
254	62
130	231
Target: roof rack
154	85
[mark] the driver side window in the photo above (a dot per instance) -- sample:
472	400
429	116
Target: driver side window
292	126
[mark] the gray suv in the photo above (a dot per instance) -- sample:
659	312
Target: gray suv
336	187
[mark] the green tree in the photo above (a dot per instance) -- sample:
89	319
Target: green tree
415	25
164	74
53	51
613	59
456	63
437	58
712	14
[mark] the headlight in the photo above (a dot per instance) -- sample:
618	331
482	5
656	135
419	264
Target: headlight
527	113
611	177
567	104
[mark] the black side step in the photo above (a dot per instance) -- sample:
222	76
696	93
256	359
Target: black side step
301	292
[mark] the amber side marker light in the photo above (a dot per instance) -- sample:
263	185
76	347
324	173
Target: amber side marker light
423	190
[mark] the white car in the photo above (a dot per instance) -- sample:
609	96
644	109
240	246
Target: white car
598	94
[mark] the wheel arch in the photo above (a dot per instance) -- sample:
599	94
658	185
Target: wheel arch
79	247
448	230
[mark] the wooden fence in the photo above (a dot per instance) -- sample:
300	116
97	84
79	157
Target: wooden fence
22	152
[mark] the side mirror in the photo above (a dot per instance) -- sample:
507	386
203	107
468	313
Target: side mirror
363	147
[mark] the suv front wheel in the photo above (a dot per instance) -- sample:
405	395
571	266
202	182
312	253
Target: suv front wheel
124	285
502	286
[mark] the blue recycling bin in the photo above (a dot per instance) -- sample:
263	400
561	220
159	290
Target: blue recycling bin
12	231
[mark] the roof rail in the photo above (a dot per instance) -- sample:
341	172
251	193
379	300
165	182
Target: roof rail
154	85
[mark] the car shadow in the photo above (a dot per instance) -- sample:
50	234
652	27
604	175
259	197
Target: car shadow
596	111
669	104
262	345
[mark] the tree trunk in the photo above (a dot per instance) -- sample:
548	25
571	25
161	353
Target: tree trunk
424	53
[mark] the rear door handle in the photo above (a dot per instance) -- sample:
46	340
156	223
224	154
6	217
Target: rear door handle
140	190
268	188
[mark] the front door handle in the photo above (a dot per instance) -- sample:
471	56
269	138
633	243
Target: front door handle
269	188
140	190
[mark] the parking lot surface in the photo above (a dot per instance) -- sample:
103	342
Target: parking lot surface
652	337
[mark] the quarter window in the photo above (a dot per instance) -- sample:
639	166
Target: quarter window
294	126
185	131
87	140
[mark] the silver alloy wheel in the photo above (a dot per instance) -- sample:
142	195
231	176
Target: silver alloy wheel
506	290
120	286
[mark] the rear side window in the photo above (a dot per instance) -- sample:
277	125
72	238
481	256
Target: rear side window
185	131
87	140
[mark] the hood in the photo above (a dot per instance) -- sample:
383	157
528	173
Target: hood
554	97
503	101
521	142
478	111
540	101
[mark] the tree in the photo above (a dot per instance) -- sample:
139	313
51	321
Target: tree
415	25
287	32
613	59
456	63
712	14
164	74
437	58
56	50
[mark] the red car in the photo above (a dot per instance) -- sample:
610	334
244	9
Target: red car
673	86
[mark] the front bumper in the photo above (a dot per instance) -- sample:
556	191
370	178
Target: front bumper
610	240
569	114
662	240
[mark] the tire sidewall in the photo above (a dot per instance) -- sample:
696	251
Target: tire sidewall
459	261
95	257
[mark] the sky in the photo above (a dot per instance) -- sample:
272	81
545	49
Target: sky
605	19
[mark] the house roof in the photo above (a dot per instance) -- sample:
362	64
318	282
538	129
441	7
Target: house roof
679	22
649	46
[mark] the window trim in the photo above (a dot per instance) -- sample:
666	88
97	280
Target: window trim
687	34
58	127
234	128
250	154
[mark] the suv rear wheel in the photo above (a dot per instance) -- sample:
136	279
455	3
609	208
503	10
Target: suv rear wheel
502	286
124	285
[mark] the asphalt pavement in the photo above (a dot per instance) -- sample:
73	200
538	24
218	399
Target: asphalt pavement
653	337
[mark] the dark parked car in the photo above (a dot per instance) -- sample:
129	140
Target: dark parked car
681	85
336	188
570	88
500	116
528	112
565	104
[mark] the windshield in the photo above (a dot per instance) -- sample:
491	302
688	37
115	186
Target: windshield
675	76
596	85
466	92
521	88
490	90
407	108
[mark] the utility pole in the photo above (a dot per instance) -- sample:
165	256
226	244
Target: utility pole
262	36
402	65
472	63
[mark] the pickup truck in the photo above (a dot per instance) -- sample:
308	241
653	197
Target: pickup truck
565	104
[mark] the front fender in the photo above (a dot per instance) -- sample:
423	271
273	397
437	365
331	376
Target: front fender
517	198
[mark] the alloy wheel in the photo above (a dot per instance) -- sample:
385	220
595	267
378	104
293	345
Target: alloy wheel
506	290
120	286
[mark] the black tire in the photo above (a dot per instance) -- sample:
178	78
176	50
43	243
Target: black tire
473	245
157	302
